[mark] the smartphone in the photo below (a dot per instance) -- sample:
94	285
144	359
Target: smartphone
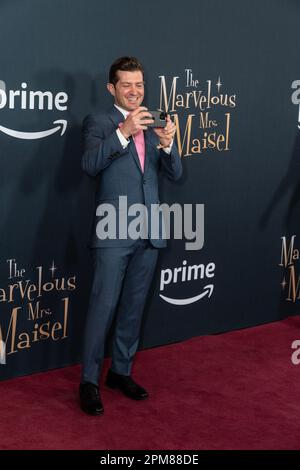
159	119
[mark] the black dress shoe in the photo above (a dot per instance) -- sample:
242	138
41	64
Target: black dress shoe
126	385
90	400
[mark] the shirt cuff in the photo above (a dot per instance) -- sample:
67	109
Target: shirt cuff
168	149
122	139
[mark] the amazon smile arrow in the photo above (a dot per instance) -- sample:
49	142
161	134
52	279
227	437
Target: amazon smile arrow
207	290
36	135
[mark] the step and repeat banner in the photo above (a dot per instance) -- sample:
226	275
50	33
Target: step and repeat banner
229	75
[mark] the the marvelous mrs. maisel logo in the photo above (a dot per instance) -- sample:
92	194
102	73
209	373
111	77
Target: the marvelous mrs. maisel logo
27	319
289	260
206	121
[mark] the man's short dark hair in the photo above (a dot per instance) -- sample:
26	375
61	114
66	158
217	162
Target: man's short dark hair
127	64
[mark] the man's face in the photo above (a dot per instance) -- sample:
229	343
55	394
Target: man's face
129	89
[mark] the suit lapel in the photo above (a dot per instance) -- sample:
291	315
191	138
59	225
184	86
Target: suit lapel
134	153
147	149
151	140
116	116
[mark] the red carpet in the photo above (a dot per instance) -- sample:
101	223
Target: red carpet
232	391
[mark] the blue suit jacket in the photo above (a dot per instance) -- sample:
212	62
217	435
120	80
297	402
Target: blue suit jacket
119	173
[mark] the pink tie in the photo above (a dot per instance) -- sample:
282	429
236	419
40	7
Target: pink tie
139	141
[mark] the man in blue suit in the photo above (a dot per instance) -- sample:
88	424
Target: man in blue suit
126	156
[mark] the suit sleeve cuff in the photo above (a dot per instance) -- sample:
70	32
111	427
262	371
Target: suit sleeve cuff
168	150
122	139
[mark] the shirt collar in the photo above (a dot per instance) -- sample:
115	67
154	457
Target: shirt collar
123	111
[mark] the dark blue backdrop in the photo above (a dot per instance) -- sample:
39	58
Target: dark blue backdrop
224	70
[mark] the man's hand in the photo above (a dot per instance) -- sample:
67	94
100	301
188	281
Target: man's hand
166	134
136	121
